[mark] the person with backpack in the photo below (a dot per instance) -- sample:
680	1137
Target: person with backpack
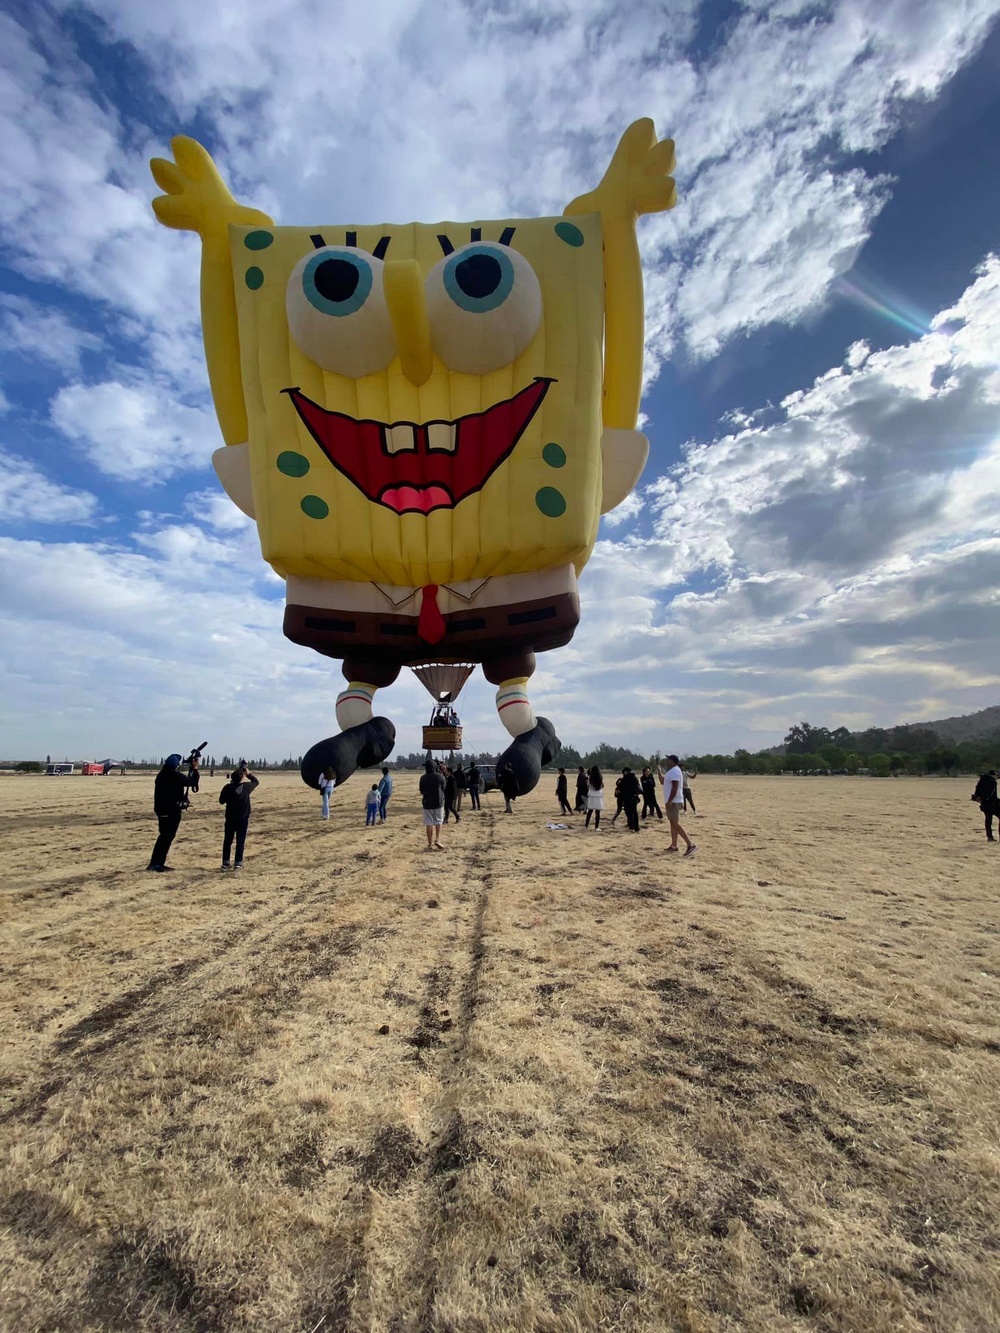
989	802
235	796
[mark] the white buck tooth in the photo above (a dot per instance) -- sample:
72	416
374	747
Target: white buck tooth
442	435
399	437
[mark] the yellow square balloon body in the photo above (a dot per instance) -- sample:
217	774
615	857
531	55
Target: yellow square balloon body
537	510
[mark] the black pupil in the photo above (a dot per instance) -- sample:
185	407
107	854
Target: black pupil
336	279
479	275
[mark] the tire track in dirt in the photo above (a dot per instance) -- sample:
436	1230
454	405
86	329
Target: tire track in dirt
138	1012
452	1148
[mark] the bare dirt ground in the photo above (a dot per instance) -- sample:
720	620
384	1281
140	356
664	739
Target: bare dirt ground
537	1081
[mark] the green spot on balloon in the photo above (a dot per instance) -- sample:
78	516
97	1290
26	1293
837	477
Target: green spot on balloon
258	240
293	464
554	455
314	507
550	502
254	278
570	234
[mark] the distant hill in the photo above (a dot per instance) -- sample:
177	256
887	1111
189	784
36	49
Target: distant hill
970	727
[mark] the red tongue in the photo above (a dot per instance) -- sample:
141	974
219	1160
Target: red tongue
430	624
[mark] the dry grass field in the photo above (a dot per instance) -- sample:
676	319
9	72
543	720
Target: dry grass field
537	1081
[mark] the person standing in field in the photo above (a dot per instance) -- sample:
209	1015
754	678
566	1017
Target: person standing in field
562	793
461	787
673	799
619	805
650	805
432	801
371	806
582	788
628	793
384	792
595	798
169	802
474	780
326	785
688	776
235	796
989	802
450	796
508	786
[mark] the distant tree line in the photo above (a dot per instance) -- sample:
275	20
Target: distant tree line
878	751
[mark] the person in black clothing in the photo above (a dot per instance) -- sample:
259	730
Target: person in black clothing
562	792
989	802
450	793
619	803
508	785
235	796
650	805
461	787
628	793
194	772
582	788
475	780
169	802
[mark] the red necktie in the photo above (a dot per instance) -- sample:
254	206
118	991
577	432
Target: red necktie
430	625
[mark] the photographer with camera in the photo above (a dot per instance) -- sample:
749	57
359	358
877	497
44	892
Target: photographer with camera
235	796
170	800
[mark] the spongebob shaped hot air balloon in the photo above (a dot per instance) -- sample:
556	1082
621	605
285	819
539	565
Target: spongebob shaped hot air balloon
426	423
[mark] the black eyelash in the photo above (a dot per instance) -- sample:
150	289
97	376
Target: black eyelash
507	235
476	234
351	239
446	246
318	242
380	249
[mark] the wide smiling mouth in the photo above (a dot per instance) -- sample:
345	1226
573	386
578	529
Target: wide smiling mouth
413	468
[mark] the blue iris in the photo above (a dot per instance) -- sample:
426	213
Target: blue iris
479	278
337	283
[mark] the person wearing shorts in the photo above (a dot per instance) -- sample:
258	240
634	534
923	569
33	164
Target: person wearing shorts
673	799
432	802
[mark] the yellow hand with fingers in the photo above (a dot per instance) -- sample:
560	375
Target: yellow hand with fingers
637	180
197	198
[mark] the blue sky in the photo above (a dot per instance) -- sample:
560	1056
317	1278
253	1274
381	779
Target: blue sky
816	532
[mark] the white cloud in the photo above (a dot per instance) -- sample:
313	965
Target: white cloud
37	333
462	110
135	432
28	496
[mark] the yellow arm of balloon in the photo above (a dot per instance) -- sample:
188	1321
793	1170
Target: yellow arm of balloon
197	199
637	181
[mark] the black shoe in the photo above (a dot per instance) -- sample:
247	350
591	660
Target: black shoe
362	746
152	867
225	866
528	754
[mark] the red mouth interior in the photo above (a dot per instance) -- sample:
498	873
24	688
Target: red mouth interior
421	479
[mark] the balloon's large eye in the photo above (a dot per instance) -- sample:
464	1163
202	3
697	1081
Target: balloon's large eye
337	313
484	305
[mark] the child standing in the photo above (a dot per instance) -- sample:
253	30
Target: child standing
371	805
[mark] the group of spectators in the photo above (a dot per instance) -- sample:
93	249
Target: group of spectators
442	790
629	790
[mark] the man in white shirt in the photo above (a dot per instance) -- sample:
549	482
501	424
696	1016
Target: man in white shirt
673	797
